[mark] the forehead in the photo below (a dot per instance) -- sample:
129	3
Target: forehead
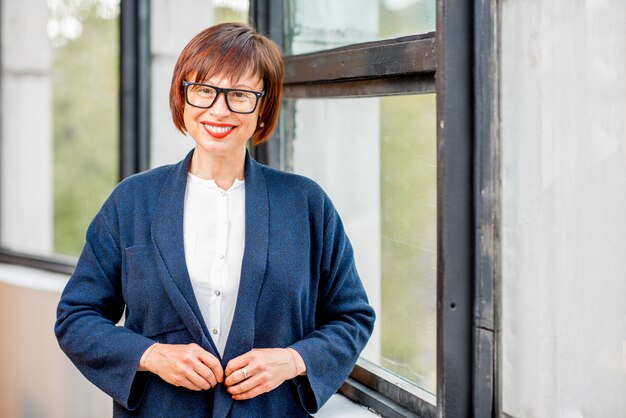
226	80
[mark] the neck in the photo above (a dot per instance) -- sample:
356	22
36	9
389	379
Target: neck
223	169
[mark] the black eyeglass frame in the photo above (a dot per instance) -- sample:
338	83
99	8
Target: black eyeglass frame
219	90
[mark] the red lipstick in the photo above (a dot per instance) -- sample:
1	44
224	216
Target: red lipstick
218	130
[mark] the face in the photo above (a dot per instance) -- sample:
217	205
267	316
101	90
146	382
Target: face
218	131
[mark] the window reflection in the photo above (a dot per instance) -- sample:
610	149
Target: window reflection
85	76
59	121
317	25
172	27
376	158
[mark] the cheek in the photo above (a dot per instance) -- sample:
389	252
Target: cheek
252	125
189	115
185	115
255	119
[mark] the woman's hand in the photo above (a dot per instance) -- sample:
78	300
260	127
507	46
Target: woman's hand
186	365
261	370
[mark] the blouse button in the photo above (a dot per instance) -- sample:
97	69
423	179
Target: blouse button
217	293
214	331
221	256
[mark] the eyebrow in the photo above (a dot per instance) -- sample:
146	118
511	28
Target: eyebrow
234	86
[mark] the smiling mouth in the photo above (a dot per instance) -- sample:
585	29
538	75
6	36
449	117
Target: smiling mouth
218	131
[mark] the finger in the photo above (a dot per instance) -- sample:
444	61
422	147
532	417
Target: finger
237	363
188	384
206	373
188	366
244	385
255	391
213	363
237	376
181	381
197	380
248	395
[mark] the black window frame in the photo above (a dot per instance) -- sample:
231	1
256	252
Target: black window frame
458	63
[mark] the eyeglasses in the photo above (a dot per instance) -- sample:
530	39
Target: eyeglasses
238	101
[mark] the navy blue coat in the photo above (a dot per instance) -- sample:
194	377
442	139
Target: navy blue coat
299	288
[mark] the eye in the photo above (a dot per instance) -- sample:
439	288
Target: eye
203	90
240	95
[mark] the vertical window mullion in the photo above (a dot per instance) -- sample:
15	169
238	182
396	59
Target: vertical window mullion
134	86
267	17
455	237
487	198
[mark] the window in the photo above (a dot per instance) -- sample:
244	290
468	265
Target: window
376	158
168	38
59	121
372	111
362	117
315	26
64	143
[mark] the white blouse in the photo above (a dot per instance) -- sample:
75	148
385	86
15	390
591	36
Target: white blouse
214	231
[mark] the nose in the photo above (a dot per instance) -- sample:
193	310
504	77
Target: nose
219	107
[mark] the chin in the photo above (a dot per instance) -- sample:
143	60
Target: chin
218	147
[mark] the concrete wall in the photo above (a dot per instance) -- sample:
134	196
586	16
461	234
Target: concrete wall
563	139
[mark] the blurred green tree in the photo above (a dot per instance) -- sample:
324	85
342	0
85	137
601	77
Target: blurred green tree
85	86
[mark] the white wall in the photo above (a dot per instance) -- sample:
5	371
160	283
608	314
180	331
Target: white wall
563	98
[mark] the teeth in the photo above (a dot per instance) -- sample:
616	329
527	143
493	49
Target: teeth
219	129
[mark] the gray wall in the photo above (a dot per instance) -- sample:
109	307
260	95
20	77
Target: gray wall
564	198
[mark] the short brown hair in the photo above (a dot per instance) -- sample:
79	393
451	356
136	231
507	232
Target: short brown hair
235	50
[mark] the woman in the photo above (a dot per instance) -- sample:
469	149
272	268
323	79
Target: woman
237	281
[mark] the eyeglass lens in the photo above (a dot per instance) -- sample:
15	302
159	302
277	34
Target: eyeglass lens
237	100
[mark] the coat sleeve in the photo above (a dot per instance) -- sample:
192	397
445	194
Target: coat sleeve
344	319
90	306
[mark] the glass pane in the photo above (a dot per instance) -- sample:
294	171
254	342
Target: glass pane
60	120
376	158
172	27
563	311
230	10
317	25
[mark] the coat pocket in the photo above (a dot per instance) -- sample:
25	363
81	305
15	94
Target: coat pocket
149	311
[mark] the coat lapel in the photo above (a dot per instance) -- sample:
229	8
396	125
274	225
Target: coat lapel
167	237
241	336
